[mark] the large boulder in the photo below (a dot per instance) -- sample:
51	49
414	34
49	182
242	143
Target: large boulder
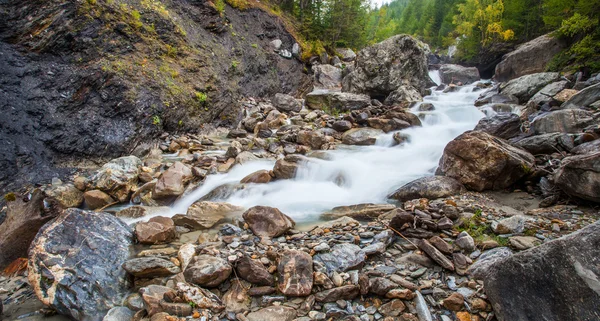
580	176
267	221
24	217
118	177
346	54
585	98
296	273
75	263
172	182
527	86
431	187
333	100
503	125
327	77
403	94
482	162
554	281
452	74
361	136
563	121
530	57
286	103
382	68
545	143
545	94
287	167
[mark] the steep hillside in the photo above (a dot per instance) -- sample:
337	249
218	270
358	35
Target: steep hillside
94	79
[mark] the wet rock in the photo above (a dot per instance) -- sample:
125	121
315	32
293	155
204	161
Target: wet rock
435	254
432	187
273	313
158	230
359	211
346	292
254	272
258	177
530	57
286	103
361	136
97	199
389	76
118	177
343	257
546	143
313	139
452	74
66	194
503	125
296	271
403	94
327	77
24	217
287	167
267	221
573	262
480	268
75	263
206	270
526	86
387	125
172	182
579	176
205	214
562	121
150	267
481	161
334	100
584	98
119	314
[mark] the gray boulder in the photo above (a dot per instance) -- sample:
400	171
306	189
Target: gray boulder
554	281
332	100
530	57
343	257
452	74
545	143
563	121
346	54
361	136
75	263
384	67
580	176
545	94
432	187
584	98
118	177
327	77
286	103
587	148
480	268
503	125
403	94
526	86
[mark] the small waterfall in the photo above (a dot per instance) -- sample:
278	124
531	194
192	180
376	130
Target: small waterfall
353	174
435	76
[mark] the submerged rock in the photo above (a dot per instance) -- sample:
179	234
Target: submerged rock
75	263
481	161
428	187
561	275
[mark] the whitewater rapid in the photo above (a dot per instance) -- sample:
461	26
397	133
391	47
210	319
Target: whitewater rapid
354	174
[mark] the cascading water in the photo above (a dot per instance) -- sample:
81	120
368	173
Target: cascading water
354	174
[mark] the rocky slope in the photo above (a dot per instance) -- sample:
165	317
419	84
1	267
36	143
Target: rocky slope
86	80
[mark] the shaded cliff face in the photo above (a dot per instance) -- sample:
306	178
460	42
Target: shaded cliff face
93	79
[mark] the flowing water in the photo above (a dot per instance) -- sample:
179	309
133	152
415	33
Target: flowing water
354	174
